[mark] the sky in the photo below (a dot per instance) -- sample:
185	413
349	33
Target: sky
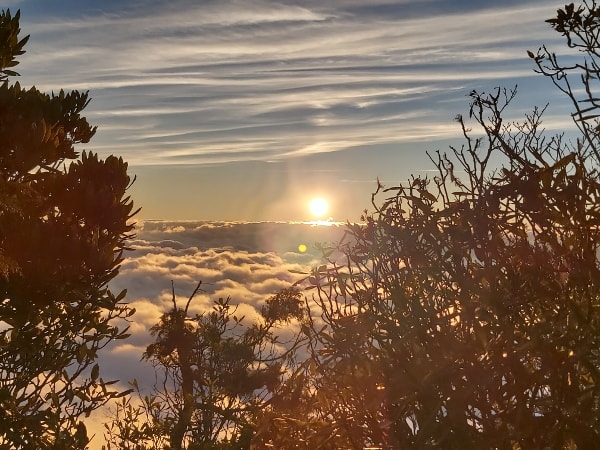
245	110
235	114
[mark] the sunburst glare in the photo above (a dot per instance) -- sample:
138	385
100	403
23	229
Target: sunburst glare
319	207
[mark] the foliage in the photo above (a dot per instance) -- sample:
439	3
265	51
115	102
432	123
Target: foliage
216	370
11	45
465	311
63	226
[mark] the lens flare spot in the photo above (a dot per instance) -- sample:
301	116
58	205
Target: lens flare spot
302	248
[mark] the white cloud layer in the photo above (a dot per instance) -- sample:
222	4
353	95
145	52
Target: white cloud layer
246	262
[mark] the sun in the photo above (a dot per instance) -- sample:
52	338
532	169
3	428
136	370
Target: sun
319	207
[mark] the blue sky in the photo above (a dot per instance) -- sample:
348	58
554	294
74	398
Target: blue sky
244	110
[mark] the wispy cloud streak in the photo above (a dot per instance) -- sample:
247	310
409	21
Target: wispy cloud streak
205	82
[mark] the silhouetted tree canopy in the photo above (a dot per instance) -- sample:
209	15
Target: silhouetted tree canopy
64	220
216	371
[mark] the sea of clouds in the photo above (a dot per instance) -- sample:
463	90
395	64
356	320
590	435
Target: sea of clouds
246	262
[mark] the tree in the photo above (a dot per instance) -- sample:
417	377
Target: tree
64	221
216	372
465	311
